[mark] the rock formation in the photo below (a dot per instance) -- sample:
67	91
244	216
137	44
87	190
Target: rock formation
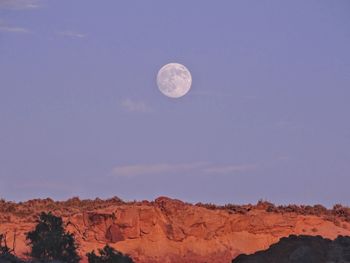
168	230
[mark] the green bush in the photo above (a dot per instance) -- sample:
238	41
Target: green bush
50	242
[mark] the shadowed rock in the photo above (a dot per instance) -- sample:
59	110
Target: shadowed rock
302	249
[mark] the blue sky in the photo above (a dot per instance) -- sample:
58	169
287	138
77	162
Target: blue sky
267	116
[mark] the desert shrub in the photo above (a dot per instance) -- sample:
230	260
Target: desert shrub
208	206
339	210
232	208
320	210
74	201
265	205
50	242
108	255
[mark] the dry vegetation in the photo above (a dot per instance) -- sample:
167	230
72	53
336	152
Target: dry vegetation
338	212
61	208
31	208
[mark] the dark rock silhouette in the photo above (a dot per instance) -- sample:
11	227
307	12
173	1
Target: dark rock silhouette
302	249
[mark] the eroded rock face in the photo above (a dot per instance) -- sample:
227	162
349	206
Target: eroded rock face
302	249
168	230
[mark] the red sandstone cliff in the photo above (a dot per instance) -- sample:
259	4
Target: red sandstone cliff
169	230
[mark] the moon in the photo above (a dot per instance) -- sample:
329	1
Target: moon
174	80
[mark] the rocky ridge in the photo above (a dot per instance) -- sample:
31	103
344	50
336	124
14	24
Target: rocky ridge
169	230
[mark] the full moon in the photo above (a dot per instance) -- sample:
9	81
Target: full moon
174	80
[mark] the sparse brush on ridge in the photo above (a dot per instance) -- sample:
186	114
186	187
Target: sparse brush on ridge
338	211
75	205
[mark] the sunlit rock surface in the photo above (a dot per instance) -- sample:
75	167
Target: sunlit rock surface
168	230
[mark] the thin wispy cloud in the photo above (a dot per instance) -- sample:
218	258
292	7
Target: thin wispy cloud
167	168
226	169
135	106
19	4
12	29
71	34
